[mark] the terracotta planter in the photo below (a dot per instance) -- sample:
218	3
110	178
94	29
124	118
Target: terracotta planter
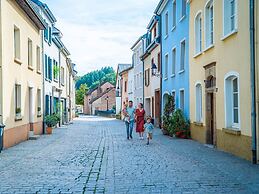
49	130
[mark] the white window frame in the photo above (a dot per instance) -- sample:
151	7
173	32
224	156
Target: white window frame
198	101
198	33
229	109
182	68
180	101
229	32
38	59
208	42
30	53
173	71
174	14
17	43
166	24
166	66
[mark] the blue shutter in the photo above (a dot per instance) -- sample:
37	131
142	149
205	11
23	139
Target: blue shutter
47	105
50	68
46	33
50	35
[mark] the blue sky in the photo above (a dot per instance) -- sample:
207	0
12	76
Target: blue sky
100	32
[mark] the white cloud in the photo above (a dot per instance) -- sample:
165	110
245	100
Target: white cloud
100	33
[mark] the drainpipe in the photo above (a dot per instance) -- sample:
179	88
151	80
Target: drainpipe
143	75
252	72
43	81
161	71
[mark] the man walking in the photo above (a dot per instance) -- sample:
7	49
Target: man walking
129	119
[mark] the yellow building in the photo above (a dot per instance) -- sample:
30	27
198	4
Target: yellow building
220	99
21	71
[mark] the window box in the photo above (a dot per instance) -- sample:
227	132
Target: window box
18	61
232	131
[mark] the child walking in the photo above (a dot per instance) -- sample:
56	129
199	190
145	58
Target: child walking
149	128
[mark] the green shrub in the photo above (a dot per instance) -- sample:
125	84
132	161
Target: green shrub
179	125
51	120
168	111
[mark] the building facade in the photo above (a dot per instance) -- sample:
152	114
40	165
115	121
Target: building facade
21	71
120	68
152	59
220	75
175	51
137	49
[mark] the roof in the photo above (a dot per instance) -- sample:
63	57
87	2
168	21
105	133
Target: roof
96	87
32	13
125	70
102	94
160	7
153	20
46	10
135	44
57	40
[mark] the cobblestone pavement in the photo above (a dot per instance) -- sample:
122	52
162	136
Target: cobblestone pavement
93	156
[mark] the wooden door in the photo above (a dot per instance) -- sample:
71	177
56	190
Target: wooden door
210	118
157	108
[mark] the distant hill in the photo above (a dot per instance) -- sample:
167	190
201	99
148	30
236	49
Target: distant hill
92	79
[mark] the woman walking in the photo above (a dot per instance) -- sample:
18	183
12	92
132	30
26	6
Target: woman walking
140	120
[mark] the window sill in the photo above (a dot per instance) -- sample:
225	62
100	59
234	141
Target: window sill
166	36
165	79
18	61
180	72
208	48
62	84
39	115
232	131
182	18
39	72
174	27
198	54
200	124
30	68
18	117
173	75
229	34
55	80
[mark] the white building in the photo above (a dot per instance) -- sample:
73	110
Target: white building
137	49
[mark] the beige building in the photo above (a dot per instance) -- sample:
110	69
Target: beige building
151	57
21	75
93	94
219	74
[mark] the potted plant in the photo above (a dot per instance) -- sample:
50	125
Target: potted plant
18	111
50	121
168	111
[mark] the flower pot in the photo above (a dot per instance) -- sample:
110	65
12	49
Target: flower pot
49	130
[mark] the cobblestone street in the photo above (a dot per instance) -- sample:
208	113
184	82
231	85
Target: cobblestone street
93	156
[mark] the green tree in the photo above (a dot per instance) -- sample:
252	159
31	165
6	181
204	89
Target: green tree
80	93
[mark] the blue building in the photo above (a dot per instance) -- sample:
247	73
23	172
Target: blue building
175	51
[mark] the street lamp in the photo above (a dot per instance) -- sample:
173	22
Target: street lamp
154	70
107	99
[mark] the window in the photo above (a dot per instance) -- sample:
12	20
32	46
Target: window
183	53
198	34
182	100
166	66
166	24
17	100
55	70
198	103
174	95
46	33
174	13
50	35
17	43
209	22
62	75
183	8
232	101
158	62
125	86
39	101
30	53
173	61
38	58
155	32
230	16
147	77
